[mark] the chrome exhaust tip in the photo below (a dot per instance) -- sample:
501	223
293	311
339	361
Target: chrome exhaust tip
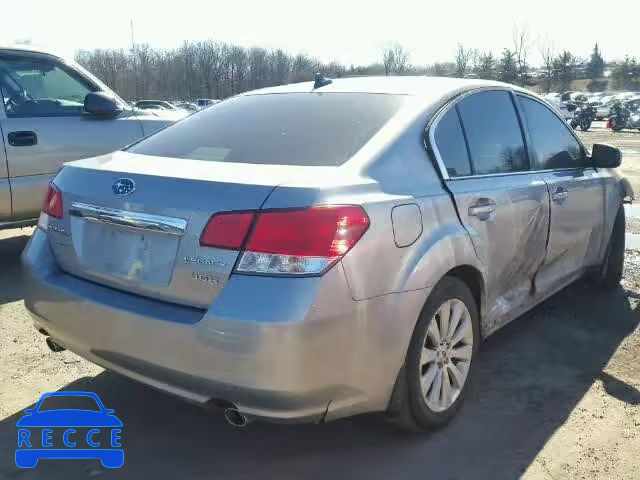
235	418
53	346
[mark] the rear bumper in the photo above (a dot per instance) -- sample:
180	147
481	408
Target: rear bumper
283	349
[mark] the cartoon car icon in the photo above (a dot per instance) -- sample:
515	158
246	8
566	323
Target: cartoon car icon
75	427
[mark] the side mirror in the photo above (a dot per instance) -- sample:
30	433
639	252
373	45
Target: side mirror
102	104
606	156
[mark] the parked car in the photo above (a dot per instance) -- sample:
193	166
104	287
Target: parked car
155	104
206	102
565	109
52	111
328	264
188	106
152	106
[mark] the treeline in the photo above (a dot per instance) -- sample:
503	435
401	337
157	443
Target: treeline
212	69
558	69
207	69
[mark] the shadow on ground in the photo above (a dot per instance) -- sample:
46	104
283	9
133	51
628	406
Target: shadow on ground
10	250
529	378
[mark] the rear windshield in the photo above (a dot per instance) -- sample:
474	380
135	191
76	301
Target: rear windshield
280	129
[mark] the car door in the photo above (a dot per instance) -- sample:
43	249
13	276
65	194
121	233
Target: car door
45	124
503	205
577	192
5	192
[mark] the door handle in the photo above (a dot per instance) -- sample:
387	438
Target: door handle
483	206
560	195
22	139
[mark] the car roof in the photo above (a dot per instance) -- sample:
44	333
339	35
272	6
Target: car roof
34	49
398	85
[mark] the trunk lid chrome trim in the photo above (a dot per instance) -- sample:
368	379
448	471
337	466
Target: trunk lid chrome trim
126	218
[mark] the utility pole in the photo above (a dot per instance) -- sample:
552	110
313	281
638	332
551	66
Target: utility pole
135	62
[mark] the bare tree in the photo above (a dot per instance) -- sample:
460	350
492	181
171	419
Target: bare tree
395	58
388	59
521	47
281	67
401	57
238	66
209	60
258	67
475	58
548	54
462	60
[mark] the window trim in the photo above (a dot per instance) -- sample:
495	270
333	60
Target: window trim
584	150
66	68
453	103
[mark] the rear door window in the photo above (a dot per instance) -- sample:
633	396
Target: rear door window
493	132
324	129
553	143
450	143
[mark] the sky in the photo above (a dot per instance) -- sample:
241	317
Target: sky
349	31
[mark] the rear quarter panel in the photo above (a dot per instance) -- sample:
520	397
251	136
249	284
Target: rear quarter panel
398	173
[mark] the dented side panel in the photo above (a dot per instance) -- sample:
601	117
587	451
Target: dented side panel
577	225
507	218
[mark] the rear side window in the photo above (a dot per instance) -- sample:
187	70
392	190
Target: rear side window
553	143
313	128
493	132
450	142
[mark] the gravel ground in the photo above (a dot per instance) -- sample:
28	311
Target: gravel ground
633	225
556	395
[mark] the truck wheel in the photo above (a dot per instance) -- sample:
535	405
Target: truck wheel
609	273
438	366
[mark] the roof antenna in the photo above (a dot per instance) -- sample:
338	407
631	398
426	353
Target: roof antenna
320	81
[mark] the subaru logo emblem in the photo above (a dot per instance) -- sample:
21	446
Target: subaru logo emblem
123	186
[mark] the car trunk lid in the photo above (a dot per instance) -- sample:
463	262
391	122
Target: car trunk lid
147	242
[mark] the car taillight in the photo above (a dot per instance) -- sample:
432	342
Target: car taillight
290	242
53	202
227	230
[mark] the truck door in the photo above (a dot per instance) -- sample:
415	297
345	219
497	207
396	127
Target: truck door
44	125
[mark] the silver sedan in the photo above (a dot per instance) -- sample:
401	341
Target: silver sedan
318	250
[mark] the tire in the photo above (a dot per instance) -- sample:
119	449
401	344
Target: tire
410	406
609	273
585	125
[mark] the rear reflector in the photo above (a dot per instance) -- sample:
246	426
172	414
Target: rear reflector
226	230
289	242
53	202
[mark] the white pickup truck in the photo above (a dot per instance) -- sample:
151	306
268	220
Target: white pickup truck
53	111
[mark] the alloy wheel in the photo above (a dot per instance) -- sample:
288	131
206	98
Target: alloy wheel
446	355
